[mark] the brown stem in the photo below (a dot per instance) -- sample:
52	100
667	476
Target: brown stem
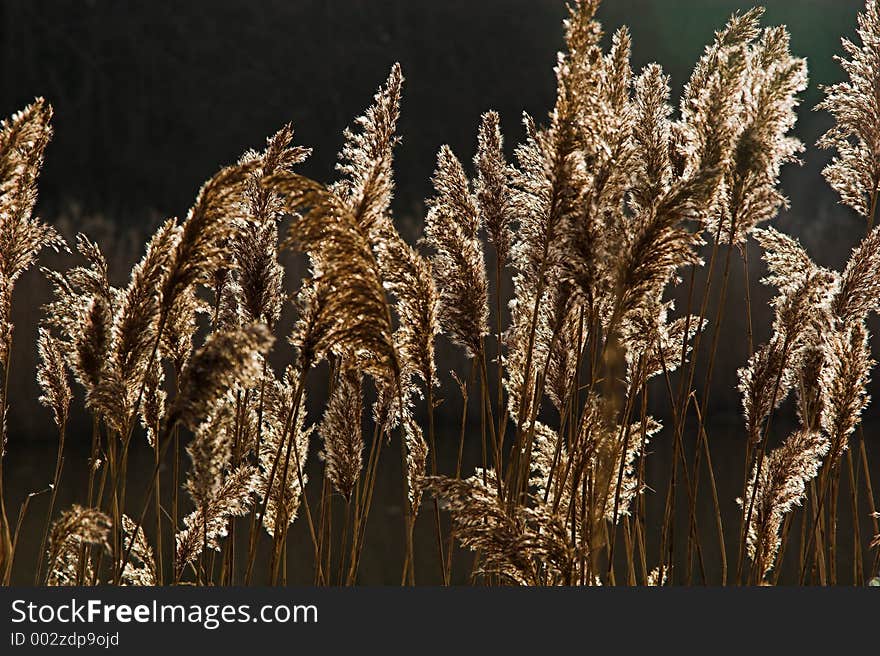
56	480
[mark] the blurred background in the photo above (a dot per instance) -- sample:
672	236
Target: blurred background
151	98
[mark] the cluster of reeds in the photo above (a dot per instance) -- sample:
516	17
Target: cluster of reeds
609	202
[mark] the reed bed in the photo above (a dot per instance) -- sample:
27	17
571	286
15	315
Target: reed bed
552	272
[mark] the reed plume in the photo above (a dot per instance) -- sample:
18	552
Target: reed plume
206	525
226	358
606	205
854	172
824	353
81	314
140	570
152	411
859	291
123	355
72	534
492	187
844	384
203	239
255	243
365	162
343	308
451	230
781	485
281	486
529	548
23	141
211	452
176	340
341	431
546	186
52	378
774	78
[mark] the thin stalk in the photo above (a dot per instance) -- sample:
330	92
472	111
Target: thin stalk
175	500
858	572
56	481
463	425
718	520
818	514
433	444
500	344
716	333
159	567
366	504
625	429
22	512
6	552
780	554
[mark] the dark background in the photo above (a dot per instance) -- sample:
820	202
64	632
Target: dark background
151	98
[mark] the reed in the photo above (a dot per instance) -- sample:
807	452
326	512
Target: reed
554	274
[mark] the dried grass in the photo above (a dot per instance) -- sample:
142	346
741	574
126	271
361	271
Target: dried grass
604	208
